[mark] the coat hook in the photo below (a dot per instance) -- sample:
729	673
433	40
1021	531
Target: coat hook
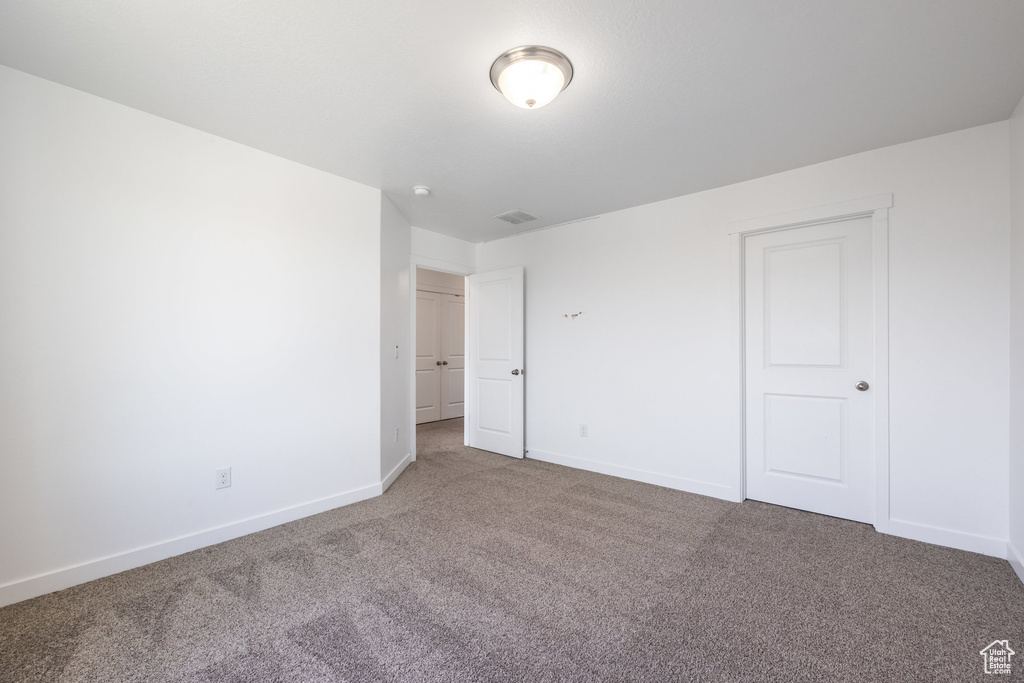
573	315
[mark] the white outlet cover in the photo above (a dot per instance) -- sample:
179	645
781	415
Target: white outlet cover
223	479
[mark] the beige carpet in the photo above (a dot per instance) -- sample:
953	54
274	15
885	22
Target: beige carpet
477	567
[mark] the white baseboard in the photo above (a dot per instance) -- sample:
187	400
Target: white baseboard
1016	559
986	545
667	480
60	579
399	468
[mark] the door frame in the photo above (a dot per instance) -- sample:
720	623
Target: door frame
876	208
443	267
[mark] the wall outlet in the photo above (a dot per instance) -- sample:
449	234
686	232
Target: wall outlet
223	478
396	350
396	434
583	429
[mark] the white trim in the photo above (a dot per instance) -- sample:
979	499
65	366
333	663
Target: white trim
880	383
876	207
60	579
814	214
739	336
703	488
443	266
467	408
398	469
440	289
962	540
414	263
1016	560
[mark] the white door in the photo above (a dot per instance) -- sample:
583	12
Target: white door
428	357
453	355
495	419
809	343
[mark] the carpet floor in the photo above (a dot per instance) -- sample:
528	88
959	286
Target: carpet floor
477	567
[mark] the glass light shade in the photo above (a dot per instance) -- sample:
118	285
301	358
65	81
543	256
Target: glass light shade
531	76
531	83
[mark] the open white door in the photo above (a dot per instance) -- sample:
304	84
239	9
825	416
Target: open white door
495	375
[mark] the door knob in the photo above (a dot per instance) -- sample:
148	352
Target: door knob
444	362
862	386
515	372
438	362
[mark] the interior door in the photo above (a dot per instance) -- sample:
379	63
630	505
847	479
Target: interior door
428	357
453	355
809	368
496	373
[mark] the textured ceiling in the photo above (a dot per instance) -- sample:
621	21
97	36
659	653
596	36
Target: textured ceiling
668	97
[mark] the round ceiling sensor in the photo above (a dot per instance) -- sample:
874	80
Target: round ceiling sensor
530	76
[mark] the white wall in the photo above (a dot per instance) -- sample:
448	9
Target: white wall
652	364
440	252
395	330
171	303
1016	550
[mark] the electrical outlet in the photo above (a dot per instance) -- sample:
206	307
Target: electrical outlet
223	478
583	429
396	434
396	350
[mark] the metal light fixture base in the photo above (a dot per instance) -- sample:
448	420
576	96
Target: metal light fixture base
531	52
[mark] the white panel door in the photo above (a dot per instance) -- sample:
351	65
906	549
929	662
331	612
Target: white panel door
453	355
428	357
809	342
495	419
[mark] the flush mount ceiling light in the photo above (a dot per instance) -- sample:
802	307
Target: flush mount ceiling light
531	76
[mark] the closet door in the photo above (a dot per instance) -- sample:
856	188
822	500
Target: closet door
810	368
453	355
428	356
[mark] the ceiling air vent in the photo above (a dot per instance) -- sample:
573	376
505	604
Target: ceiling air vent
516	217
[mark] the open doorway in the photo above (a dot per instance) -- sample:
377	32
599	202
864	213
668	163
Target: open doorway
440	333
478	385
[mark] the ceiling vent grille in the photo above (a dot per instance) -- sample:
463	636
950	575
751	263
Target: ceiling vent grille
516	217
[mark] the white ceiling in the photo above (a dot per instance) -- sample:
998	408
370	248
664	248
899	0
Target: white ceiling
669	97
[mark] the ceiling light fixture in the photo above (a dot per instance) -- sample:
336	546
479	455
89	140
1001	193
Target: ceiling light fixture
531	76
